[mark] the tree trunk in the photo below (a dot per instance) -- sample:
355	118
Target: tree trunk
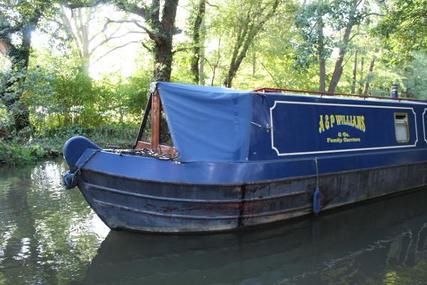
354	79
163	54
362	71
254	63
321	56
338	69
160	31
20	59
322	75
218	59
198	43
202	65
163	61
371	69
247	31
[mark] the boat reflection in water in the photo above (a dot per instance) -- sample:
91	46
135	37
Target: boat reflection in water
379	242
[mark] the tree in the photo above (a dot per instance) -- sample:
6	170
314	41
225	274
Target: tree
313	46
248	19
160	28
346	15
403	28
18	20
197	33
89	33
338	18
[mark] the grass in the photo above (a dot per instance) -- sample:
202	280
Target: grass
48	143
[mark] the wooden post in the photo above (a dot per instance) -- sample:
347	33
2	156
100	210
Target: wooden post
155	121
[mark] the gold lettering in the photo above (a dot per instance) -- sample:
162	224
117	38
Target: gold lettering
328	121
362	123
321	125
332	120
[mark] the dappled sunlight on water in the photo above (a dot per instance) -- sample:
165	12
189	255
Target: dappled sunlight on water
50	236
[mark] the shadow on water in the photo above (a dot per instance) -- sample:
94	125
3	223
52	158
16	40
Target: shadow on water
50	236
377	243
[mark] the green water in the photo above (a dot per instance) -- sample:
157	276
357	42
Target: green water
50	236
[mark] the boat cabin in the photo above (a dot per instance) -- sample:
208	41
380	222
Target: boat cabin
194	123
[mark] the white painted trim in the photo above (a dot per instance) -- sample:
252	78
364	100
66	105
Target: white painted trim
341	150
353	98
424	125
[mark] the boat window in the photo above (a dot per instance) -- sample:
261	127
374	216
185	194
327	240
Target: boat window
401	127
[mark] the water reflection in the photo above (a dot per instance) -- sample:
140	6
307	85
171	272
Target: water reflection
379	243
46	234
50	236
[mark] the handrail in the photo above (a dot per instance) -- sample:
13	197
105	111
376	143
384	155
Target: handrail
281	90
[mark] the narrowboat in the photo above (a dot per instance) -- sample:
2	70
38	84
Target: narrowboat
210	159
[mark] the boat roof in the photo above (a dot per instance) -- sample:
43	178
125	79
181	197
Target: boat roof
346	96
207	123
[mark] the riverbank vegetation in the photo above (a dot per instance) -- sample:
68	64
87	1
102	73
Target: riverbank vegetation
85	66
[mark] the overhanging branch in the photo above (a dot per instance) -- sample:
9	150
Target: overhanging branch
114	49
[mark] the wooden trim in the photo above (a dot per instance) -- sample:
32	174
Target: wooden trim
153	113
145	118
162	149
155	120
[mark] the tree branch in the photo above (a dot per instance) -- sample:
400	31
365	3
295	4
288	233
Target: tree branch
114	49
182	49
78	4
107	39
150	33
146	46
133	8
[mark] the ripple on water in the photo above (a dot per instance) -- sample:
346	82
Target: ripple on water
47	234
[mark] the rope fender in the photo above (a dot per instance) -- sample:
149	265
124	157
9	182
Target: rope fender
70	178
316	194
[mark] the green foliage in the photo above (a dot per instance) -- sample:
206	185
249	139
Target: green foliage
64	102
14	152
309	20
319	24
413	76
49	141
62	97
285	51
6	122
403	29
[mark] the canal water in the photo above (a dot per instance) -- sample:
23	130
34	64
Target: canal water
51	236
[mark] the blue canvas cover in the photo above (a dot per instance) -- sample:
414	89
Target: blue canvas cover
207	123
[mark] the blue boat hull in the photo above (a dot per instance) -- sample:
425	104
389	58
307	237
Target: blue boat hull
243	159
149	206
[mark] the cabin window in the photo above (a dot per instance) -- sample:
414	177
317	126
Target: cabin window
401	127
